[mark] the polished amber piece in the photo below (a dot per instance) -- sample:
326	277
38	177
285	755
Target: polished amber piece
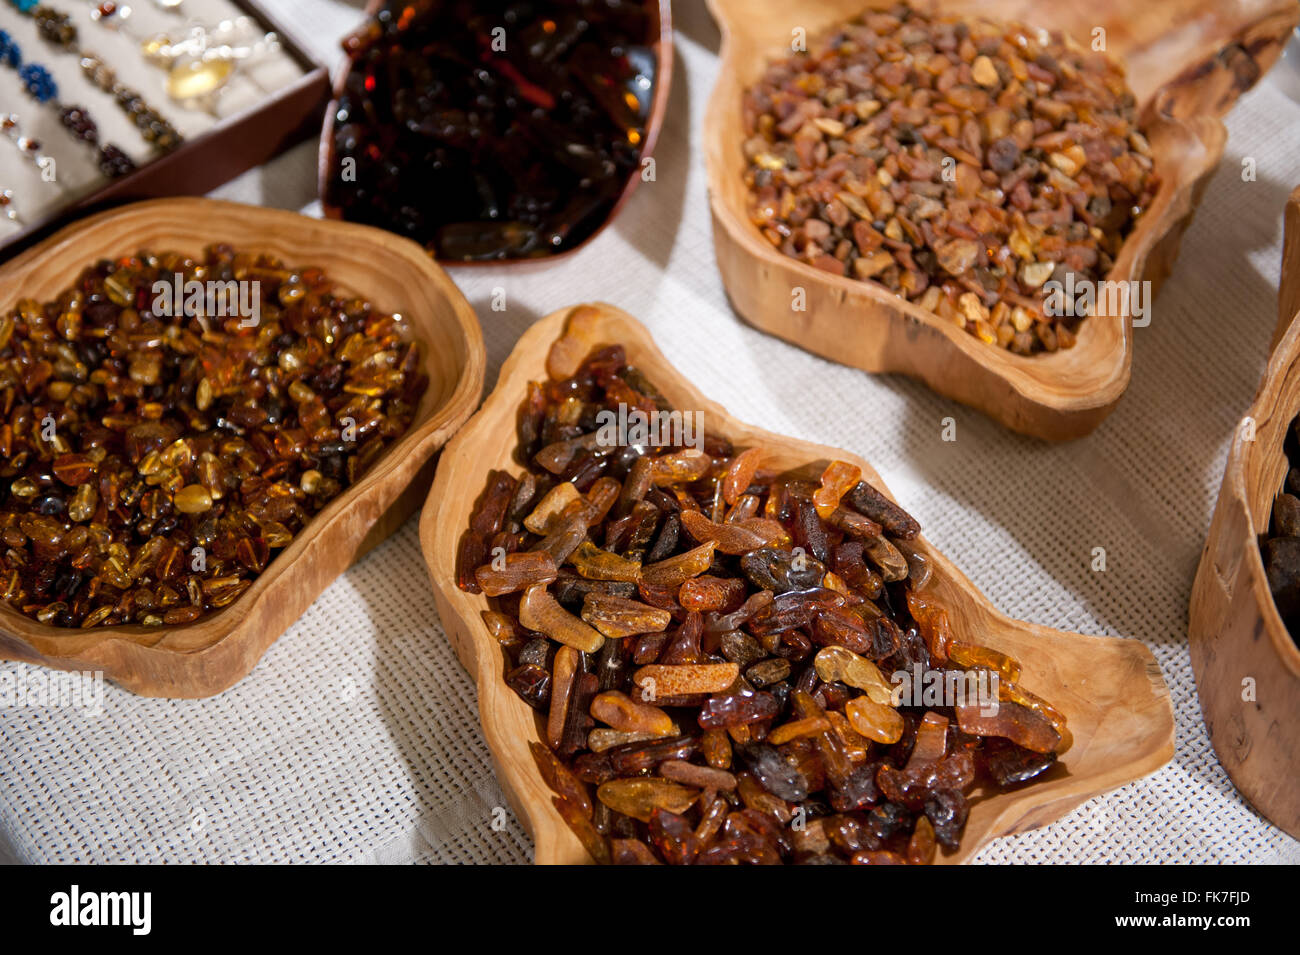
740	474
969	655
617	617
1020	724
639	798
874	720
675	571
701	777
729	538
515	572
596	564
540	611
684	680
837	664
550	507
563	671
680	467
621	712
838	478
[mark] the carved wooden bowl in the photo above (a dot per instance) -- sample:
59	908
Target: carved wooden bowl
220	648
1110	689
1187	61
1247	664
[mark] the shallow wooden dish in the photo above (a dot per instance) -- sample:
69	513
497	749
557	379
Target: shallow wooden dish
218	650
662	45
1187	62
1234	630
1110	689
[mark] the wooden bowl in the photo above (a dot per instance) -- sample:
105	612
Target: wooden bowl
1186	60
1110	689
1234	630
660	41
219	649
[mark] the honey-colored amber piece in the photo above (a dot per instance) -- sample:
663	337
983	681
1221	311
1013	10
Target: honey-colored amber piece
619	711
617	617
740	474
837	480
970	655
875	721
685	679
549	508
810	726
639	798
838	664
596	564
513	572
674	571
680	467
540	611
729	538
1020	724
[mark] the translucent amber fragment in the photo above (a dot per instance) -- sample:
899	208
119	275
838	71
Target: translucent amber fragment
596	564
632	852
639	798
615	708
617	617
600	739
680	467
711	593
701	777
740	474
563	670
716	748
518	571
549	508
932	620
729	538
1020	724
969	655
540	611
931	741
675	571
560	778
838	478
582	827
798	728
657	680
887	557
837	664
874	720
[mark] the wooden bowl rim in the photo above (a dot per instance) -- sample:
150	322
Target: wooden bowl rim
1242	452
663	47
1044	370
551	834
421	438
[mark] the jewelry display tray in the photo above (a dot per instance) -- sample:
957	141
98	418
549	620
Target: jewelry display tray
232	145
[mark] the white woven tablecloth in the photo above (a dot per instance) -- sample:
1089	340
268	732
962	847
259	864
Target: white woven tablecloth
357	738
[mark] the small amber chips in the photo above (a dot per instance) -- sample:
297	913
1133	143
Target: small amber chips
157	451
707	643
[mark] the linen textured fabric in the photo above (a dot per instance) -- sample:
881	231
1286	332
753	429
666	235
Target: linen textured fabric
357	737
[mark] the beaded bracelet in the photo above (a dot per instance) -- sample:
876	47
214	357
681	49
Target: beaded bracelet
59	29
40	85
